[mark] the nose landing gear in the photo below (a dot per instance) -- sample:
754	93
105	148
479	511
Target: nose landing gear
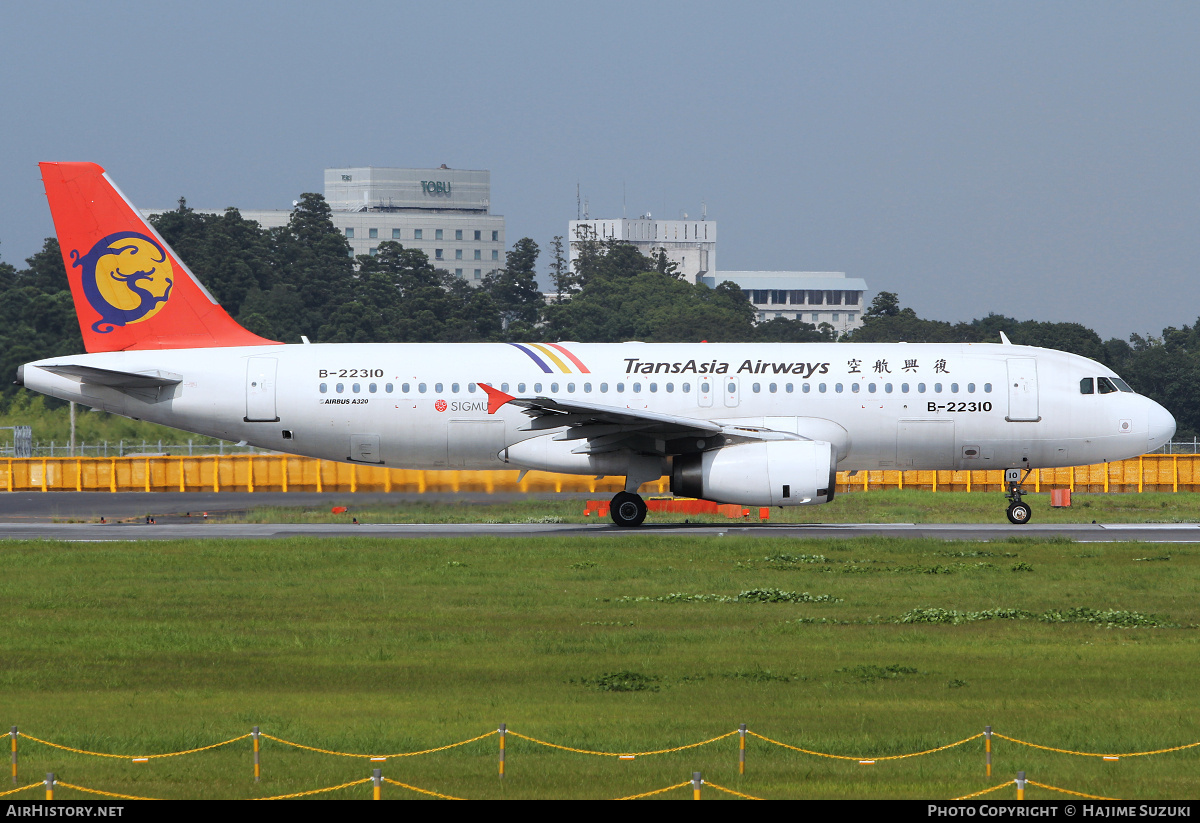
1018	510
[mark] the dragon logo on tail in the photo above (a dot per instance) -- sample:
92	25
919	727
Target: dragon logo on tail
127	278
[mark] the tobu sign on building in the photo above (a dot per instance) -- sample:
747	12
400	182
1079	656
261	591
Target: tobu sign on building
435	187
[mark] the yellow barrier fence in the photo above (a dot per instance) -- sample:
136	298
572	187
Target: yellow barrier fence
696	781
52	782
288	473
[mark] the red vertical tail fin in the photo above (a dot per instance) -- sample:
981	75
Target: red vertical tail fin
131	290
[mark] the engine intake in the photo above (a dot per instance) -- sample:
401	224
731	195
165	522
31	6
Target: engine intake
777	473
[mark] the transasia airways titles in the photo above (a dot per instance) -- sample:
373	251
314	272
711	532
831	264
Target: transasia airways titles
762	424
634	365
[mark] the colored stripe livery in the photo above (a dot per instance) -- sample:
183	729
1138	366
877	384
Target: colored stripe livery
558	357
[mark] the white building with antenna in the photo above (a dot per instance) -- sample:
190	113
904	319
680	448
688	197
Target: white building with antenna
692	244
809	296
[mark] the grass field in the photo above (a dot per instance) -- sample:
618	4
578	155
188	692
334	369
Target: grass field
859	647
893	506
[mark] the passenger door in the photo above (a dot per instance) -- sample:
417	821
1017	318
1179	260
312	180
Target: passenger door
260	389
1022	390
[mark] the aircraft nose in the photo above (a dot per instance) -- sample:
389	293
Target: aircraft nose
1161	427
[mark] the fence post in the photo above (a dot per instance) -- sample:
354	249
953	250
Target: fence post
1020	785
987	748
377	777
742	749
257	762
14	754
49	785
696	783
503	729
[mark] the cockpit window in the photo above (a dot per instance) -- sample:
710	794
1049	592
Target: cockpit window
1105	385
1086	386
1122	385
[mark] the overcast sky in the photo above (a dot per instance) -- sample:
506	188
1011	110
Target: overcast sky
1032	159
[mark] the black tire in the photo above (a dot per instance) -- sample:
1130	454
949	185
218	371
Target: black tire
627	509
1019	514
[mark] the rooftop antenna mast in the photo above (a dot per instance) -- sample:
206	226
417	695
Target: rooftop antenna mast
578	213
703	210
623	213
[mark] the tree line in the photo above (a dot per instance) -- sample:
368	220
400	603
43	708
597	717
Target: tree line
300	279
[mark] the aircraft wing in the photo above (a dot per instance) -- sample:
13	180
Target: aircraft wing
116	379
610	428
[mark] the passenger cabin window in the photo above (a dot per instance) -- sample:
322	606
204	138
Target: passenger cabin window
324	388
687	387
421	388
437	387
1086	386
454	388
1105	385
520	388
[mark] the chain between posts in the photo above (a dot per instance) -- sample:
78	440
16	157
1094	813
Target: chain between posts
985	791
422	791
127	757
373	756
316	791
863	759
97	791
731	791
1096	754
1068	791
22	789
619	754
656	791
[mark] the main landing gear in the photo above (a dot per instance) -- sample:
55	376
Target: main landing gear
1018	510
627	509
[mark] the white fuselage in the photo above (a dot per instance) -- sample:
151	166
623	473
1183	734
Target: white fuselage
921	406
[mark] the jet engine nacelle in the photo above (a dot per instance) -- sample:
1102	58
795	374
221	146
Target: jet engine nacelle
775	473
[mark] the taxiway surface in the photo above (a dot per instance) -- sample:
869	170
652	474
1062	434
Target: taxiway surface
1083	533
76	515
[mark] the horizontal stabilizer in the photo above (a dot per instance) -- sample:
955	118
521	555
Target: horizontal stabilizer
116	379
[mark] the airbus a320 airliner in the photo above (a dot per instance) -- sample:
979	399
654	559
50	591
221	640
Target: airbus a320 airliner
761	424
